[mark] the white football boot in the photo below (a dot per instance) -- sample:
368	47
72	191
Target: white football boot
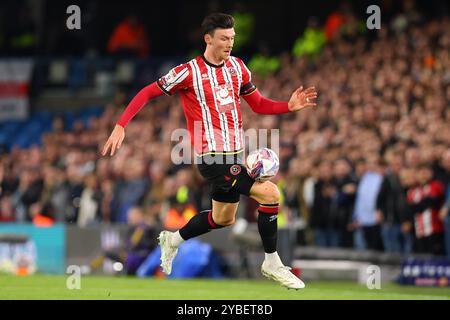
168	252
283	275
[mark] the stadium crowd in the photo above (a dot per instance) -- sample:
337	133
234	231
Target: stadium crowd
368	168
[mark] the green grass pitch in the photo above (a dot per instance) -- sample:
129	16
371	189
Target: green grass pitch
54	287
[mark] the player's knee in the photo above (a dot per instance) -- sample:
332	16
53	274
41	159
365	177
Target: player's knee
271	193
225	221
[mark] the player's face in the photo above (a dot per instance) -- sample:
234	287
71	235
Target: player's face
222	42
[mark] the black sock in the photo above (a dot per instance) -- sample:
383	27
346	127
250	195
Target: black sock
267	226
198	225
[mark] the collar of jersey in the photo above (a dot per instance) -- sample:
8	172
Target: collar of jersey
212	64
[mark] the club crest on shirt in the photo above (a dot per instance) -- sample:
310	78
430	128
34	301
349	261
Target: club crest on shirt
235	169
232	71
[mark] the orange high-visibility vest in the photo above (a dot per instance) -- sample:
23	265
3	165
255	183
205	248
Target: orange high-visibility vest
42	221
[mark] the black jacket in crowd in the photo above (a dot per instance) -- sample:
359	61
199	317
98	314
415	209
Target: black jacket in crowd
391	200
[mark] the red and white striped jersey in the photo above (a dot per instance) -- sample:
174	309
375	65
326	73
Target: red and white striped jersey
427	222
210	98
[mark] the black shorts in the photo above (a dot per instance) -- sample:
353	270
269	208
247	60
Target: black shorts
227	175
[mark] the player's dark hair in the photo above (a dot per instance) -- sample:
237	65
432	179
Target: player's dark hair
216	21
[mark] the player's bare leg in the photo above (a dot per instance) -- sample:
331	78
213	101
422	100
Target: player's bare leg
222	215
268	196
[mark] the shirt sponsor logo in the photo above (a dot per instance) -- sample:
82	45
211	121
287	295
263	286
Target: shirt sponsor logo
224	97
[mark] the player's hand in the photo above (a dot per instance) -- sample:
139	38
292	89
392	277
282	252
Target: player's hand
302	99
114	141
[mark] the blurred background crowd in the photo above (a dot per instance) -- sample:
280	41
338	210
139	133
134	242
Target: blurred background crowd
369	168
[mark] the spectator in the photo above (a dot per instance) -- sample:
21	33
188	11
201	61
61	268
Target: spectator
178	214
129	38
55	192
343	200
264	64
425	201
155	196
445	217
23	38
311	41
75	185
7	212
131	190
106	200
27	193
443	170
180	201
333	23
140	241
89	202
444	213
244	26
322	221
365	217
41	215
8	180
298	172
393	211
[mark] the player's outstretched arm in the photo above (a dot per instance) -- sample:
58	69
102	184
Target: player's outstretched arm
300	99
262	105
118	134
115	140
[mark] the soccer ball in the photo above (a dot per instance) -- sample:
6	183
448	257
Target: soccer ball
262	164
